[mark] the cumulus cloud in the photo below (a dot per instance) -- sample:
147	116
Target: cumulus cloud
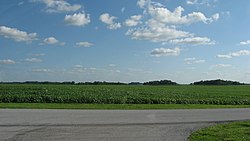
244	43
77	19
109	20
194	41
58	6
234	54
84	44
33	60
133	20
17	35
165	52
162	14
156	33
7	62
161	25
142	3
216	17
190	61
50	40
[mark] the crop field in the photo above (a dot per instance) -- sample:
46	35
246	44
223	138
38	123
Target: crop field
124	94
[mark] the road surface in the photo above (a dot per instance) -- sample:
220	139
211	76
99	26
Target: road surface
110	125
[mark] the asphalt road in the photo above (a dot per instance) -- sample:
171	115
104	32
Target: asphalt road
110	125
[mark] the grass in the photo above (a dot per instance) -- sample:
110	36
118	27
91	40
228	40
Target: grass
236	131
115	106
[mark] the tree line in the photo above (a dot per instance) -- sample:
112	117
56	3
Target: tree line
152	83
217	82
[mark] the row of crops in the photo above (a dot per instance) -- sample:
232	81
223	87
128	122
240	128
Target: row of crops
105	94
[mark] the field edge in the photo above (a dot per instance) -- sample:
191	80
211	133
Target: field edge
115	106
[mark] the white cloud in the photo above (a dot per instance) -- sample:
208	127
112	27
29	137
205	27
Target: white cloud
240	53
17	35
133	20
58	6
243	43
157	33
50	40
165	52
84	44
81	69
78	66
109	20
41	70
194	41
224	56
192	2
33	60
222	65
7	62
163	15
216	17
77	19
112	65
142	3
190	61
208	3
162	24
234	54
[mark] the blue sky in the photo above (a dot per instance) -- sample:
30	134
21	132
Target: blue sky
136	40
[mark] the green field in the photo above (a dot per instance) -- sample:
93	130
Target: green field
125	94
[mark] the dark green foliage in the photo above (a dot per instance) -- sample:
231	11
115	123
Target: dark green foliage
161	82
217	82
125	94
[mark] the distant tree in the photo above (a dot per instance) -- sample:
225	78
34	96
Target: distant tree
161	82
101	83
135	83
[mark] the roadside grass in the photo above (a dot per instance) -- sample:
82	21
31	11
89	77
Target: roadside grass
114	106
236	131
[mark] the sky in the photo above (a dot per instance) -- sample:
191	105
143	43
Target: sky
126	40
